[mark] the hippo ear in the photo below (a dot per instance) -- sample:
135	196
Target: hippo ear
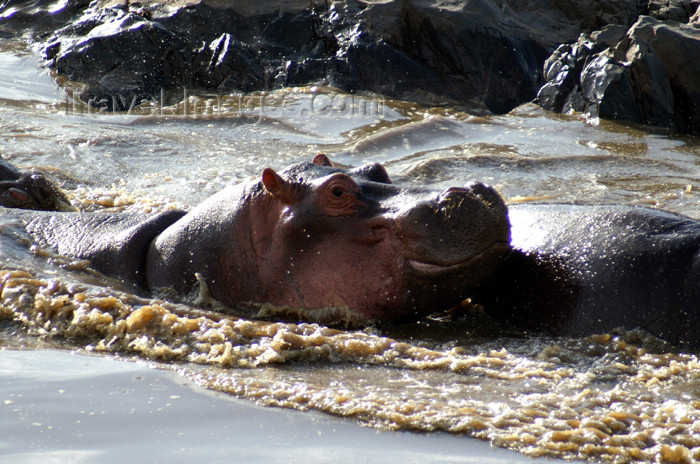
277	186
322	160
19	195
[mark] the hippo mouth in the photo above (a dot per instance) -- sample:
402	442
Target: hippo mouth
427	268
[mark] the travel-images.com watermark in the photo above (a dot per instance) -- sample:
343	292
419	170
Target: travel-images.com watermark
249	107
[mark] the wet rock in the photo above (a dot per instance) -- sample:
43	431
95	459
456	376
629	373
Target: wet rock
648	75
122	57
562	91
474	52
226	64
557	18
672	10
695	19
484	54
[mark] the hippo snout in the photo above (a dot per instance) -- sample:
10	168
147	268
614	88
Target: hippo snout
454	226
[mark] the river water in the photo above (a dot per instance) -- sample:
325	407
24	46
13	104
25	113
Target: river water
619	397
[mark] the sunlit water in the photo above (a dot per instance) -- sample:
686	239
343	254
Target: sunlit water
616	397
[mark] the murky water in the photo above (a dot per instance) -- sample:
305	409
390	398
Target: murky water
615	397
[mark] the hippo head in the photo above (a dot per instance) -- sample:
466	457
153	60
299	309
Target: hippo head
30	190
318	236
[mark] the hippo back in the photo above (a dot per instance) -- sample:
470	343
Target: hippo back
590	269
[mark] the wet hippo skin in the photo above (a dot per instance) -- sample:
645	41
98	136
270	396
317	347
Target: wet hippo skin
313	236
579	269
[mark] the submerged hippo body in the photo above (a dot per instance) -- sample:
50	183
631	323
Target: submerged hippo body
317	236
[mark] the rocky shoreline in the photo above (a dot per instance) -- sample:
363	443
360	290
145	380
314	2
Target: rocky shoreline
649	73
634	60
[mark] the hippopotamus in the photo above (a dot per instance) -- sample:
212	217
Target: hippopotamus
30	190
315	236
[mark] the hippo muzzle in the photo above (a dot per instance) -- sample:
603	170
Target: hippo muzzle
451	241
452	227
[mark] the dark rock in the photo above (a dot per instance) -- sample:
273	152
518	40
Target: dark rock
695	18
609	35
124	58
484	54
650	75
559	18
672	10
562	91
562	71
226	64
602	79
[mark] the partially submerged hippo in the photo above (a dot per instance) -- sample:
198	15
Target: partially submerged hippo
315	236
30	190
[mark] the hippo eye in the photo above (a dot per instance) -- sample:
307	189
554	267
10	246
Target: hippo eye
339	195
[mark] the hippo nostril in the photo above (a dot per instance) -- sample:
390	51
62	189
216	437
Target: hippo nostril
481	191
454	190
485	191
